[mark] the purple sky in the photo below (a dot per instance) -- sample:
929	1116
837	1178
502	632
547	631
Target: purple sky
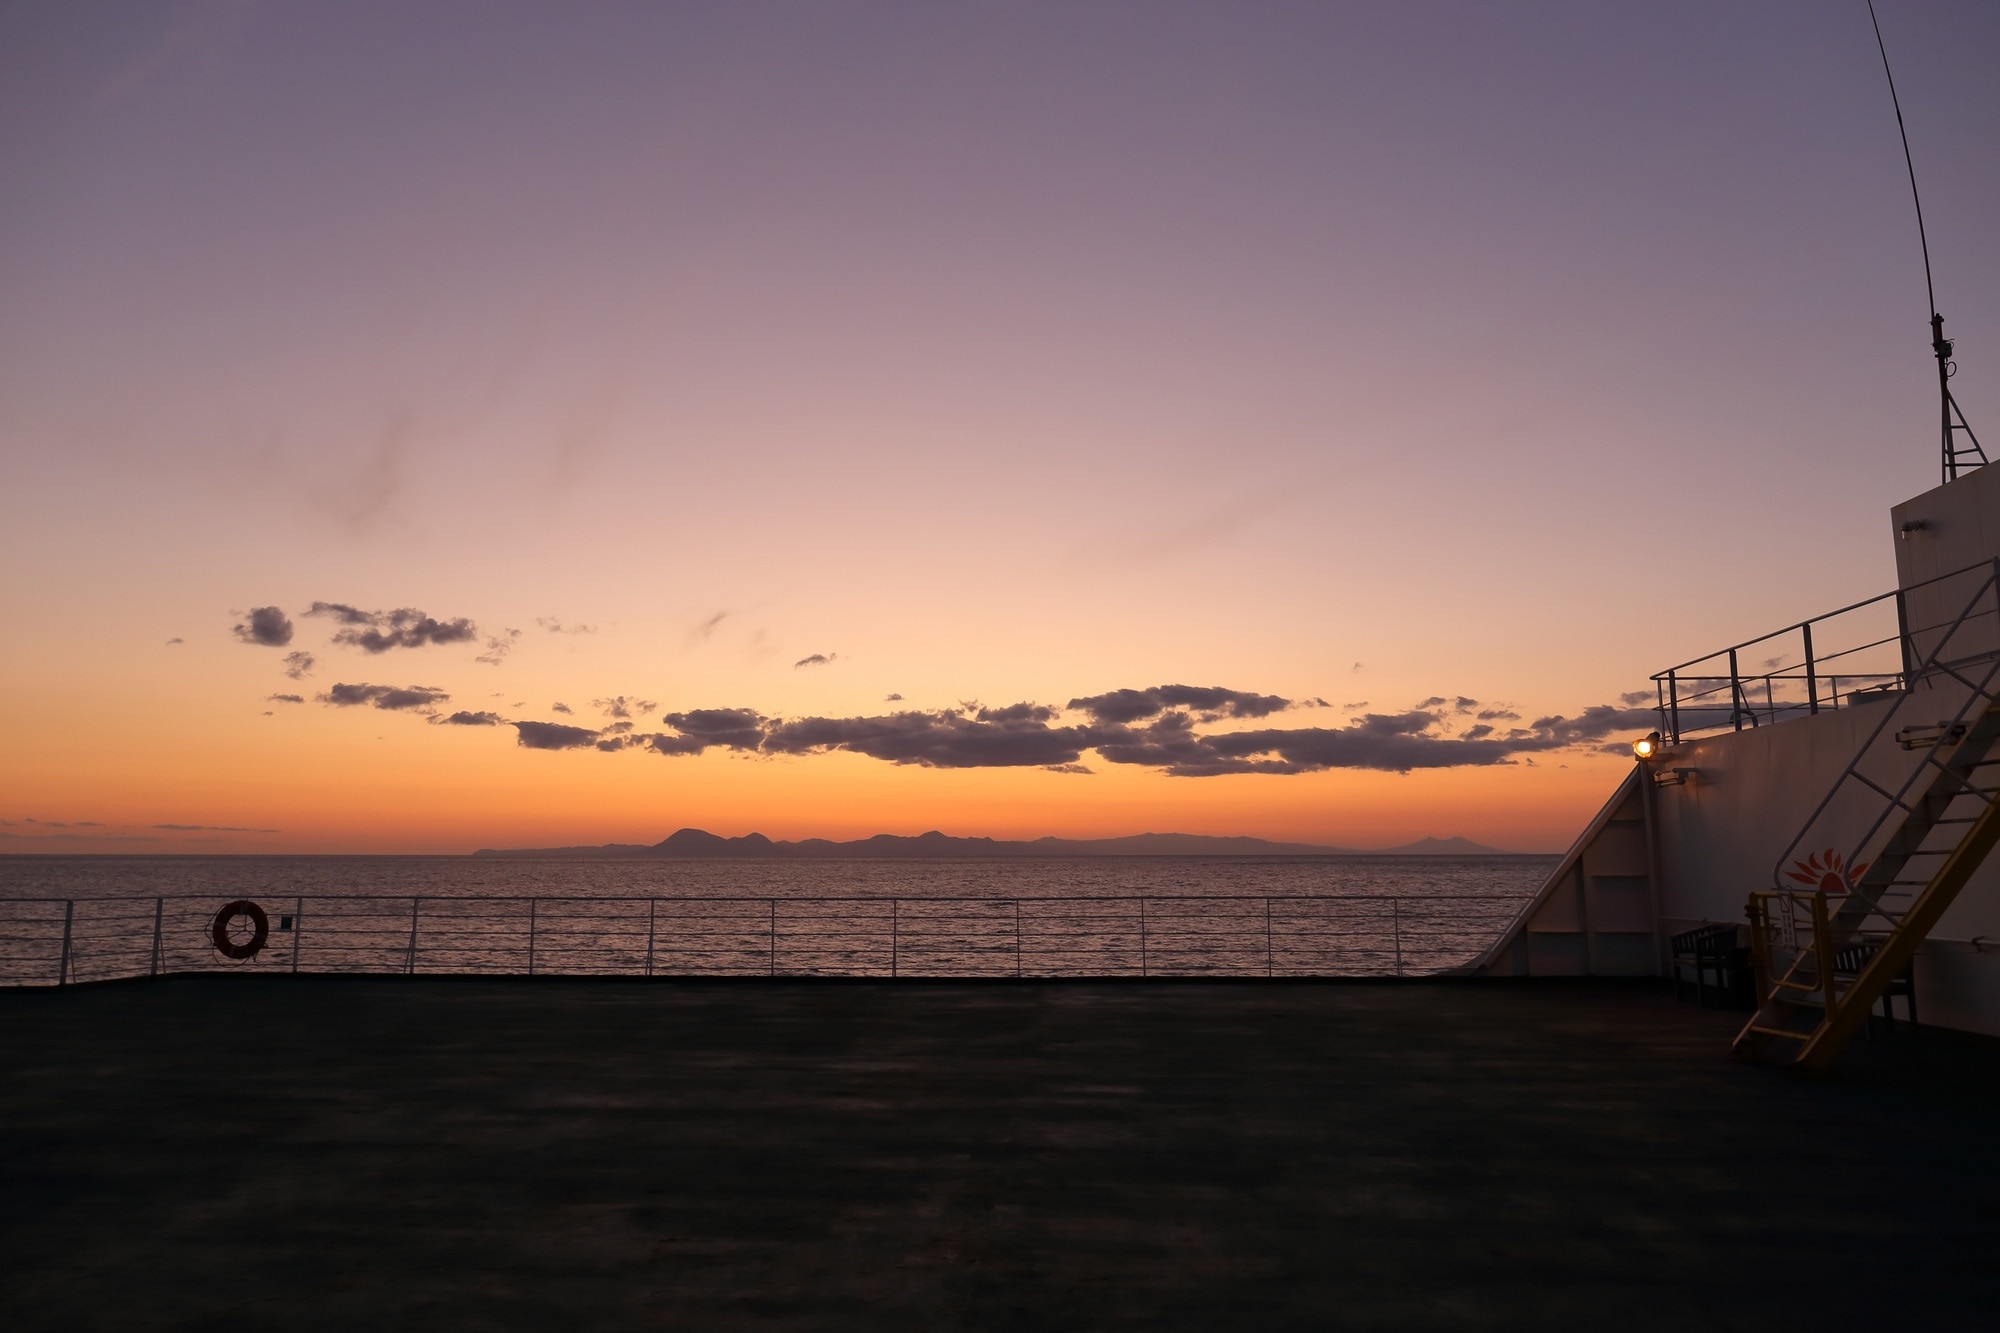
1001	353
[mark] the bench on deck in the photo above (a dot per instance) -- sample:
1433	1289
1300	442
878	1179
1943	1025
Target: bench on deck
1716	950
1847	965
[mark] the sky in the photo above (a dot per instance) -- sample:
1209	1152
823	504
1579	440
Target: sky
432	426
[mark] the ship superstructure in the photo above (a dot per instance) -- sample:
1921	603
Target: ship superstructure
1832	790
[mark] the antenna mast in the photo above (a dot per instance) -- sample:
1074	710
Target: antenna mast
1951	419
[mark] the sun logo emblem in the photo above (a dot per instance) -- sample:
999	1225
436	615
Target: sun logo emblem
1827	870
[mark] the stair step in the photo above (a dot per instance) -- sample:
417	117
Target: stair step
1950	815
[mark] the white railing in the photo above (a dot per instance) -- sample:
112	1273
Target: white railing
64	941
1858	654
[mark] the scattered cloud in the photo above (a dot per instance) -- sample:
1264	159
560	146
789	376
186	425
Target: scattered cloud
498	646
212	828
341	612
554	626
1210	700
1016	737
465	719
700	728
284	698
379	631
1177	730
553	736
1592	724
300	665
704	630
266	626
892	698
1637	697
817	659
176	639
385	696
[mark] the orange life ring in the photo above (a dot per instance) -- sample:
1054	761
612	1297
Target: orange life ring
261	931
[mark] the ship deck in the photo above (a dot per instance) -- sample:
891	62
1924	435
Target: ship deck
340	1153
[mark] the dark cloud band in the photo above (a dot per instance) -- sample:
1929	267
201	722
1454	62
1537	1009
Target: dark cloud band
1167	728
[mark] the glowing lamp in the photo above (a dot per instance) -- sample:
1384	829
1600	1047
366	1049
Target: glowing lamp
1647	745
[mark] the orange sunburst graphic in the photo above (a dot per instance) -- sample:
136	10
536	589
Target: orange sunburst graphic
1827	870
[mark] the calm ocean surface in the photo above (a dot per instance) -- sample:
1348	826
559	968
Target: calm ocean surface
1053	877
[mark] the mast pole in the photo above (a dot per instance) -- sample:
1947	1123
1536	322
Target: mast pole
1940	345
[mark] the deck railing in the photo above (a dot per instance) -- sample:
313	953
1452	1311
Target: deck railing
1853	655
63	941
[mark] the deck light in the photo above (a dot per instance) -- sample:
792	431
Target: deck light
1647	745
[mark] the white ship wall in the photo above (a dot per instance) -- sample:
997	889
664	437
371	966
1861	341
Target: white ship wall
1714	837
1938	532
1718	836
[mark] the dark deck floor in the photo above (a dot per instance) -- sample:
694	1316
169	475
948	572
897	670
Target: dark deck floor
343	1154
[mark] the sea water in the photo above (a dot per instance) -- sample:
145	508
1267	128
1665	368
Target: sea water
85	917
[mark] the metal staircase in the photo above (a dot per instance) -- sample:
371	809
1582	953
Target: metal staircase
1935	818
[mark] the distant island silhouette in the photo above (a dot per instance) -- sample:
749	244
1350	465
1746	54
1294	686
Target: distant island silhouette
694	842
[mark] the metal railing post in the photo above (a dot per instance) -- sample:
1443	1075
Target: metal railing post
1903	636
1735	693
1673	708
652	914
1017	937
1812	687
1267	937
1142	937
1396	925
410	962
69	919
159	916
1823	948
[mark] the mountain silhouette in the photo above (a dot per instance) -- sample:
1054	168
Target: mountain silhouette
694	842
